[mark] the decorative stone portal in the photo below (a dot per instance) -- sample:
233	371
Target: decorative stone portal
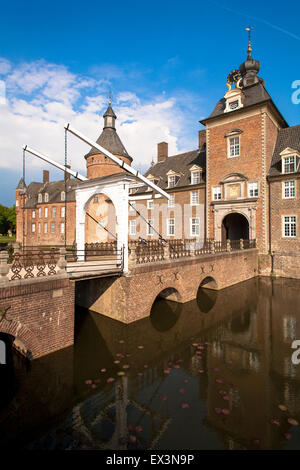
234	227
247	209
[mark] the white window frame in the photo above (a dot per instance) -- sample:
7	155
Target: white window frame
133	204
17	203
150	230
62	211
46	197
46	212
171	181
193	224
63	196
33	227
291	224
192	194
287	194
229	139
39	227
195	175
216	191
53	212
287	161
171	201
150	204
52	227
132	227
40	198
171	227
33	214
40	212
254	188
62	227
45	227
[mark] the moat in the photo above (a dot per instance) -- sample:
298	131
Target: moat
214	373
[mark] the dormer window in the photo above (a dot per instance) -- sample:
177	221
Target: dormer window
171	181
46	197
154	180
40	198
195	177
233	105
62	196
289	164
290	160
233	100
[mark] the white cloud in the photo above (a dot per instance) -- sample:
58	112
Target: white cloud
42	97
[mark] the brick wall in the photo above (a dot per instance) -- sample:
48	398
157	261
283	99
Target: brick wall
100	165
41	314
182	213
130	298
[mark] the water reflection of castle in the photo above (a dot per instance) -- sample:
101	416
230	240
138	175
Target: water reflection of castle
249	332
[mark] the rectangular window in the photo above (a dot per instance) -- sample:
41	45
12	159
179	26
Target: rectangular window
150	230
132	227
54	212
171	181
170	227
171	201
150	204
45	227
234	146
62	211
289	164
132	206
33	228
195	178
217	195
33	214
62	227
40	212
253	189
52	227
289	189
290	229
194	198
40	227
195	228
46	212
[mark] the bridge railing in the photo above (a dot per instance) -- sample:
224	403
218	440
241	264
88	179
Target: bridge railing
157	251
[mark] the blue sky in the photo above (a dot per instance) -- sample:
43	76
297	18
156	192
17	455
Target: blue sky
165	62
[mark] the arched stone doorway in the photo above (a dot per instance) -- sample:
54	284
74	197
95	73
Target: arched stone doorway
100	219
234	227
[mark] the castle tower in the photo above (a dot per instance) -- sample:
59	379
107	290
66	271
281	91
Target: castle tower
241	133
20	201
97	163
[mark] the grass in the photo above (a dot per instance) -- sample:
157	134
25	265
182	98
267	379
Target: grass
6	239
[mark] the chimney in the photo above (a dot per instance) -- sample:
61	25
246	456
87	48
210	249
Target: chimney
68	176
162	151
202	139
45	176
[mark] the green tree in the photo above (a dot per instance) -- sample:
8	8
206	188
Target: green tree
7	219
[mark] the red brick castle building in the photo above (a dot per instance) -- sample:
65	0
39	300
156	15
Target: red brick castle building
242	182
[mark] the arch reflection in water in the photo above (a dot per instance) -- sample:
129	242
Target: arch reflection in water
165	313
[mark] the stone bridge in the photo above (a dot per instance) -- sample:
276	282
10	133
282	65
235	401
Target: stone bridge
178	278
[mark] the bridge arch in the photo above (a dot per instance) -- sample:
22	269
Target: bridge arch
208	283
24	340
166	309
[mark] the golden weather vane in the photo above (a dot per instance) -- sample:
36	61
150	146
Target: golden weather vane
249	29
109	97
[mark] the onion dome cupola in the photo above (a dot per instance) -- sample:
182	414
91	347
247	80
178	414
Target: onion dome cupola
250	68
99	164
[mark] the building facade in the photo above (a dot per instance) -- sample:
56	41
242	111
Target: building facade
242	182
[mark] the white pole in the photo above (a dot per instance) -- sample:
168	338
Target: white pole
52	162
118	161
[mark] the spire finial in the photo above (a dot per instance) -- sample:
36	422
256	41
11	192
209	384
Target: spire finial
249	29
109	98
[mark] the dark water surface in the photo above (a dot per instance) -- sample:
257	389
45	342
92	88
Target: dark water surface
209	374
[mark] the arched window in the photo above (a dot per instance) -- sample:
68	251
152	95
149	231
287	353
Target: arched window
63	196
46	197
40	198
